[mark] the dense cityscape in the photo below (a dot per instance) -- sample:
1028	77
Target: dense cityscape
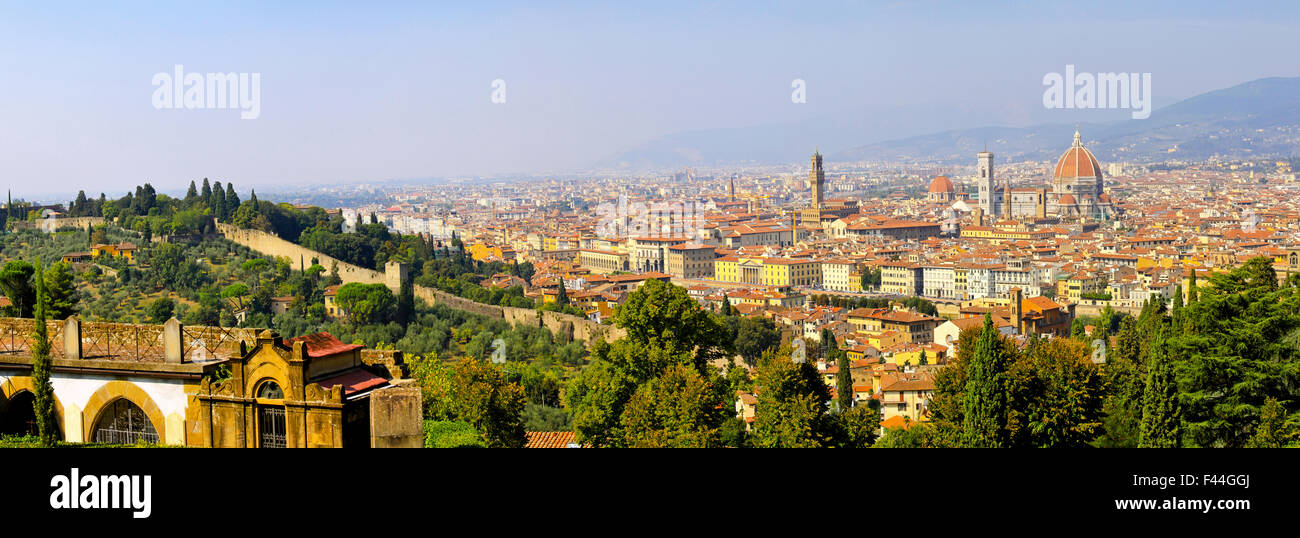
865	278
670	225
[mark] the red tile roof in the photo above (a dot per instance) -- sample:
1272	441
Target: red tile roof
323	344
354	381
549	439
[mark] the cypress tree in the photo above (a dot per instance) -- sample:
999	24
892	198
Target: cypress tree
843	380
1176	311
1192	294
985	401
562	297
41	364
232	200
405	302
207	192
79	206
191	194
1124	376
1077	330
727	310
1161	416
218	202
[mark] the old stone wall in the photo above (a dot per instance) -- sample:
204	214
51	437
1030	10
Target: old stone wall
396	416
56	223
270	245
274	246
124	341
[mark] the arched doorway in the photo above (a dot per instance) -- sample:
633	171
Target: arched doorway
19	415
123	422
270	415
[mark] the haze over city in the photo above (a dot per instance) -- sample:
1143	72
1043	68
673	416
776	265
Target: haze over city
404	91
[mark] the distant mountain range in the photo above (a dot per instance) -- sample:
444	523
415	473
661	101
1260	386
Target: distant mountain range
1260	118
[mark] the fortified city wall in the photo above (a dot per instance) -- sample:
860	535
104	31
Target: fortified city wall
274	246
53	224
558	323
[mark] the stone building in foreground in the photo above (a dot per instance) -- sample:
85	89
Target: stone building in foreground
210	387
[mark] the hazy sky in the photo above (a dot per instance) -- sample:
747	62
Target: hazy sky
365	91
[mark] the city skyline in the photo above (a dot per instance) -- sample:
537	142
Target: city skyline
401	93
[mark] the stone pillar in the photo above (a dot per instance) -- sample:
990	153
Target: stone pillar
173	343
396	416
72	338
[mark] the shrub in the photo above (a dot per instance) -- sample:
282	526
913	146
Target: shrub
451	434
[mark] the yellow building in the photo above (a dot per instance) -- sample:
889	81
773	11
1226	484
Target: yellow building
791	272
603	261
763	271
998	235
124	250
906	395
1078	284
914	327
212	387
481	252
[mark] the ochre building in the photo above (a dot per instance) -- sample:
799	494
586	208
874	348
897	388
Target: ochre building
209	387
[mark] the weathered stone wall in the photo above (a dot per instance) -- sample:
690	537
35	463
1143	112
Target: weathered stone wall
1095	309
272	245
559	323
396	416
389	359
124	341
62	222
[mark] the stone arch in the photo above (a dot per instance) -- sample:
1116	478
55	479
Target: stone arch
111	392
270	418
262	373
14	385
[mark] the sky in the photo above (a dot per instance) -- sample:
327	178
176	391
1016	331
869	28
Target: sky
353	92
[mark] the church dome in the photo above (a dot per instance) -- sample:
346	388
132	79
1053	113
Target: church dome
942	184
1077	162
1067	199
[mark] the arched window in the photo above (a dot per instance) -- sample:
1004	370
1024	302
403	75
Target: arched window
19	415
270	415
123	422
270	391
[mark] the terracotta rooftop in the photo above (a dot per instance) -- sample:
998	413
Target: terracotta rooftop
322	344
353	381
549	439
